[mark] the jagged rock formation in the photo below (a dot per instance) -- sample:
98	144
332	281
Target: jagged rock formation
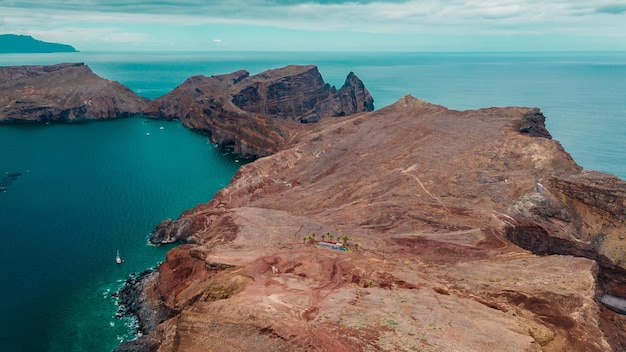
255	115
63	92
435	199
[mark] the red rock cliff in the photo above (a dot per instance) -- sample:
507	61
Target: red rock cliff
431	203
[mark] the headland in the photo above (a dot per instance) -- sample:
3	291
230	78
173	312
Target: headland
464	230
62	92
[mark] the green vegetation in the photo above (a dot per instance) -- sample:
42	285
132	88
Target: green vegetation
328	237
310	238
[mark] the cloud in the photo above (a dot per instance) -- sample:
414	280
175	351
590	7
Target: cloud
614	9
393	17
353	15
80	36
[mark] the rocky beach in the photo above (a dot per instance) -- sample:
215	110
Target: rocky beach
465	230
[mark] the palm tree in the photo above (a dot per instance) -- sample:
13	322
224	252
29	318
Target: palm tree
323	237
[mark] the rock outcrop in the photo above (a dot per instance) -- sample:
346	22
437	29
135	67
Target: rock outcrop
63	92
255	115
434	206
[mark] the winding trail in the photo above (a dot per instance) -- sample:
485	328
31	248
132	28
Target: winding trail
407	172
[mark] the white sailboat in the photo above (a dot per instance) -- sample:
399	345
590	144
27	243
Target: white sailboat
118	259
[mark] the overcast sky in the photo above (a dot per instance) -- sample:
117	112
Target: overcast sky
353	25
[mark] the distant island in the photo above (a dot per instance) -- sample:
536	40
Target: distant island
14	43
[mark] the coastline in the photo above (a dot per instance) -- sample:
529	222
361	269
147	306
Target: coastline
91	188
270	187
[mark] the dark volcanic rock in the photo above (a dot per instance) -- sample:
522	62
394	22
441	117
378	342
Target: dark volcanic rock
254	115
63	92
353	97
170	231
133	300
533	123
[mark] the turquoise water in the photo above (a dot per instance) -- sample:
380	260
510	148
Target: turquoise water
87	189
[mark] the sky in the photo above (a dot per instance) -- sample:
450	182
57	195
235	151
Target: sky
322	25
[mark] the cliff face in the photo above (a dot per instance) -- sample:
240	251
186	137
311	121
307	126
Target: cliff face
256	115
63	92
431	203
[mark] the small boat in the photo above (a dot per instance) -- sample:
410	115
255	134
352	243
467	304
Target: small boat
118	259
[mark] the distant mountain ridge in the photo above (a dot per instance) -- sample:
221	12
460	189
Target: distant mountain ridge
15	43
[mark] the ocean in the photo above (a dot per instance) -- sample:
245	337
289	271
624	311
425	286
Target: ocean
88	189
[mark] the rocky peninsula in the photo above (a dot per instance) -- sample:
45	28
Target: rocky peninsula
62	92
459	230
255	115
466	231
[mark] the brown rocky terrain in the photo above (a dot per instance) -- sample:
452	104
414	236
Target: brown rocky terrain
467	231
254	115
63	92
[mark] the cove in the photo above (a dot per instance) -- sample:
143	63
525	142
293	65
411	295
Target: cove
84	191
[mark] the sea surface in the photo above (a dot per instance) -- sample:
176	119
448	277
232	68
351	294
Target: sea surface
86	190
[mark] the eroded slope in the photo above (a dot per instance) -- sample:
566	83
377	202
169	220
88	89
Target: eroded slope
432	197
256	115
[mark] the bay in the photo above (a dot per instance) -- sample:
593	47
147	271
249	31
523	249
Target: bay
88	189
85	191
